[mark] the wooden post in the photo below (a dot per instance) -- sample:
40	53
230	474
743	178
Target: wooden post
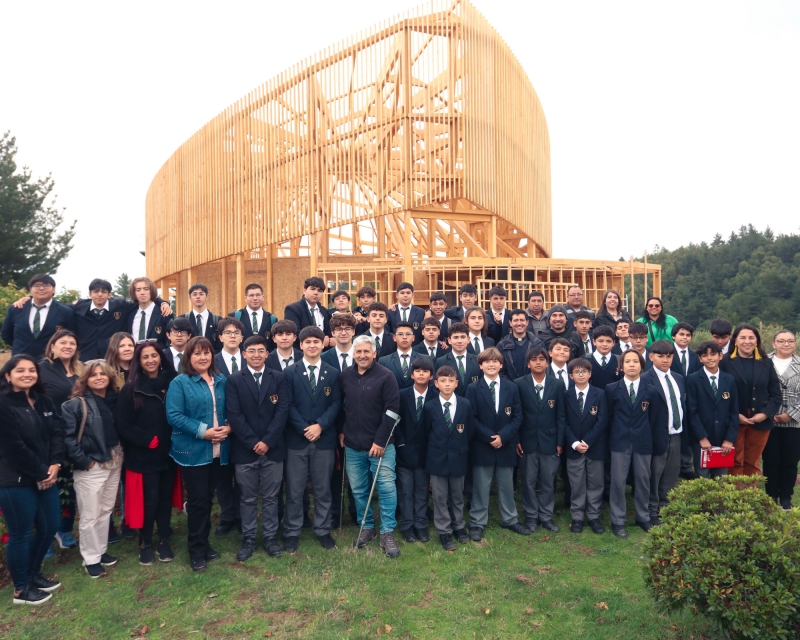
645	275
408	274
239	280
632	310
313	251
223	301
270	280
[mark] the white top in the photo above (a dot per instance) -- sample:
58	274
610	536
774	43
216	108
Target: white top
105	307
662	378
203	317
429	347
635	385
349	360
228	357
682	353
43	310
288	361
564	376
377	335
452	402
137	320
709	374
401	308
259	316
599	357
781	364
418	395
496	391
261	370
479	338
726	347
588	347
539	383
176	359
577	393
319	320
625	346
317	365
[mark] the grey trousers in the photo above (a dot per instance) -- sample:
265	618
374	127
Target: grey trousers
620	465
481	483
706	473
538	468
262	476
444	487
412	497
587	480
664	470
299	464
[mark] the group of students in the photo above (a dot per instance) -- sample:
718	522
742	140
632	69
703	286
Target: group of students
423	403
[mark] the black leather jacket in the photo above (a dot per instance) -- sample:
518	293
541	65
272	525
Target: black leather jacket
93	446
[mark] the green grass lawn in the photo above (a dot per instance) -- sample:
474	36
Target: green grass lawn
545	585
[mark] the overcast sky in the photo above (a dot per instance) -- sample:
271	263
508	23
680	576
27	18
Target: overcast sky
668	121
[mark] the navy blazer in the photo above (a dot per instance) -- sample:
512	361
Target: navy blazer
210	330
489	423
94	332
393	364
274	359
543	421
298	313
447	451
692	363
222	367
487	342
410	437
264	329
456	314
629	423
415	316
17	333
257	415
156	327
388	345
306	407
495	331
710	416
659	412
471	369
331	356
423	349
604	376
591	426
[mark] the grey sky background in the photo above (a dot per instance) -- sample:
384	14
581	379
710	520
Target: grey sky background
669	121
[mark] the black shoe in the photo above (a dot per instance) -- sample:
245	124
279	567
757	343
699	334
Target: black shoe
448	544
32	595
577	526
126	532
689	475
146	556
198	564
307	523
389	545
533	525
95	570
223	528
113	535
165	551
364	539
107	560
786	504
43	584
596	527
290	544
272	547
656	522
327	541
646	526
211	554
408	535
422	534
518	527
550	526
476	534
619	531
461	536
334	522
246	550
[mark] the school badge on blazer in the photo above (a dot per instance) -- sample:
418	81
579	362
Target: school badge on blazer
474	378
593	411
266	335
158	329
725	395
460	428
117	315
645	405
508	411
551	403
415	325
274	399
59	327
327	391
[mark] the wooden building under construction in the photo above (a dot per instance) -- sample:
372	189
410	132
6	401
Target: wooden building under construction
417	150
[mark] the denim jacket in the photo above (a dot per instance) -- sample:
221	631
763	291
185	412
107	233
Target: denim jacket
189	412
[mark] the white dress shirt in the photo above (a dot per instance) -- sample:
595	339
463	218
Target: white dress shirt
585	392
428	348
564	376
259	316
472	338
542	383
716	376
662	378
381	336
227	357
682	353
400	309
176	359
348	360
452	402
625	346
203	317
317	315
635	385
418	395
496	391
587	345
105	307
599	357
261	371
137	320
285	364
43	310
726	347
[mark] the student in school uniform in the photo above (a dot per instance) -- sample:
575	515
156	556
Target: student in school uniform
684	364
437	306
179	332
365	296
499	317
204	323
668	420
399	362
377	320
343	329
586	444
639	337
721	331
430	345
229	359
604	363
498	414
308	312
622	336
712	401
410	440
341	302
463	363
316	399
515	346
405	311
478	325
560	352
467	297
147	322
256	319
541	436
284	336
630	438
581	338
449	428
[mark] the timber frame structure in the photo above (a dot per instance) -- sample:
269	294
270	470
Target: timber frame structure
417	150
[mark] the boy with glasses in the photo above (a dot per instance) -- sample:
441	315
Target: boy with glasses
229	359
257	321
179	331
399	362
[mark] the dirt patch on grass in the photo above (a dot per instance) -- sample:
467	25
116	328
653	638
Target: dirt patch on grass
241	566
426	600
140	592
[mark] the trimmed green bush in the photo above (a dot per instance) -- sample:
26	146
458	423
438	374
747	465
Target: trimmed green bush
728	552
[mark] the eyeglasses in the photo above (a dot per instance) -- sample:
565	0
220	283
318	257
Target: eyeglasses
147	340
653	306
580	372
254	352
786	341
178	332
343	329
404	335
575	295
41	285
231	333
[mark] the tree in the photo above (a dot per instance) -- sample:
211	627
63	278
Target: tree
67	296
30	242
122	286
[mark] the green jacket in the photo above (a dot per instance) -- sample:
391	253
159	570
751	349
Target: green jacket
654	332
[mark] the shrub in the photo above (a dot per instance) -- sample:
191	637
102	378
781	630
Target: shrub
728	552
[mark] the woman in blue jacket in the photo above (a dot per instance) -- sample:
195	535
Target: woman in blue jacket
196	411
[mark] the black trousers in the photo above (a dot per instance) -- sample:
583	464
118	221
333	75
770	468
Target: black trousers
157	488
200	483
229	495
780	459
336	490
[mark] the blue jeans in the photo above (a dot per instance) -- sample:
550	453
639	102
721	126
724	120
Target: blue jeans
360	471
24	507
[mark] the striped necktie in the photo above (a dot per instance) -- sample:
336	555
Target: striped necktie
142	325
234	366
257	376
419	407
404	364
714	385
580	401
673	403
461	371
311	379
447	419
492	385
37	320
255	323
632	394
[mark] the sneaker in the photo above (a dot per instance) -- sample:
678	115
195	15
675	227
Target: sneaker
596	527
43	584
272	547
577	526
327	541
422	534
290	544
198	564
113	535
389	545
448	544
146	556
126	532
95	570
786	504
246	550
518	527
32	595
66	540
461	536
408	534
165	551
212	554
476	534
364	539
107	560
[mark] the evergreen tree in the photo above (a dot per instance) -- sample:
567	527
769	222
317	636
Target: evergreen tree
122	286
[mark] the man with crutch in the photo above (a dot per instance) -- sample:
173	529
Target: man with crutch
372	407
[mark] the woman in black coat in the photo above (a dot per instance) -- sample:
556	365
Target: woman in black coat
611	311
146	436
31	453
760	397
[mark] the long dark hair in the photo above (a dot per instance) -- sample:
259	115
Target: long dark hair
198	343
5	385
759	351
603	309
661	321
165	367
469	310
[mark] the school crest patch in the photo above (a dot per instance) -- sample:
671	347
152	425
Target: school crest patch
725	395
415	325
117	315
508	411
474	378
645	405
266	335
158	329
593	411
460	428
59	327
551	403
274	399
327	391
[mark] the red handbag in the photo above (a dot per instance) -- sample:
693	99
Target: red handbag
714	458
